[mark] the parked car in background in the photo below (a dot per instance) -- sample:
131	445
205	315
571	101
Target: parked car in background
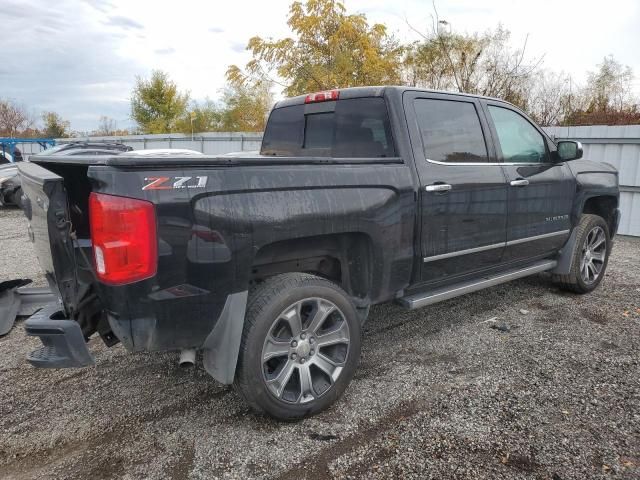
5	158
165	152
10	190
268	263
86	148
10	183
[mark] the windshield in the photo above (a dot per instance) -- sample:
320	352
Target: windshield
51	150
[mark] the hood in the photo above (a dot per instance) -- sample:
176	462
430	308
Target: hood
589	166
10	169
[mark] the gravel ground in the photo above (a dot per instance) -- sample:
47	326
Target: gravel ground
439	394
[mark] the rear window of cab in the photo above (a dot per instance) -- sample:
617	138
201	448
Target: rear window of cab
355	128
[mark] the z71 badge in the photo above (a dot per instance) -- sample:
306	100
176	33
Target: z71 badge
170	183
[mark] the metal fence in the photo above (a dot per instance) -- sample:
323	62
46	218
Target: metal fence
216	143
617	145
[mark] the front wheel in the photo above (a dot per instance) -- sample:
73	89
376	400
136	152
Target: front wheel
300	346
590	256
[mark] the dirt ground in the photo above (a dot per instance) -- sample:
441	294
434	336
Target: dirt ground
439	394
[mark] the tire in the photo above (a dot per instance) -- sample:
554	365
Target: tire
17	198
589	227
292	369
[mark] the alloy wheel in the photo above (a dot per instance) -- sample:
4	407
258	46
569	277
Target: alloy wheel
594	252
305	350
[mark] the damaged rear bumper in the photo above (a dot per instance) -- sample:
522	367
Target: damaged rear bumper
63	344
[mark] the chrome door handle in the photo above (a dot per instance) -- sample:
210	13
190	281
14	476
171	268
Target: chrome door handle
522	182
438	187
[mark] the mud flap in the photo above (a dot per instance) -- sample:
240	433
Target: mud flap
565	257
220	349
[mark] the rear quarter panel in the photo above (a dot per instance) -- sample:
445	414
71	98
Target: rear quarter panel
209	236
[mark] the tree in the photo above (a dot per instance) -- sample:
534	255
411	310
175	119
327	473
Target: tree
607	98
610	87
483	64
14	119
550	98
330	49
156	104
245	106
106	127
201	117
54	125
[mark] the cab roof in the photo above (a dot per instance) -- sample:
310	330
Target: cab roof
375	91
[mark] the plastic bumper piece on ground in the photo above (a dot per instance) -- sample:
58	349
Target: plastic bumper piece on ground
63	344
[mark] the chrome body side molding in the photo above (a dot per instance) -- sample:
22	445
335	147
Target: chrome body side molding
517	241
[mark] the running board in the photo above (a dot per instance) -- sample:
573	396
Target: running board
434	296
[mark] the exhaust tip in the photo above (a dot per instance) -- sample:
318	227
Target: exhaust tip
187	358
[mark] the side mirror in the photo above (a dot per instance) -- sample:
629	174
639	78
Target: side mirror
569	150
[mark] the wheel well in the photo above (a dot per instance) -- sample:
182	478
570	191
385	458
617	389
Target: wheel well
605	207
342	258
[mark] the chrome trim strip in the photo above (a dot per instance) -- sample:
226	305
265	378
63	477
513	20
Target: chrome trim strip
420	300
490	164
537	237
517	241
462	252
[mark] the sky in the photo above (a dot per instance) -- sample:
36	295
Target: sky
80	58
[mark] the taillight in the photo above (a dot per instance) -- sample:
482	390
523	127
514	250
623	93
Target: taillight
123	233
322	96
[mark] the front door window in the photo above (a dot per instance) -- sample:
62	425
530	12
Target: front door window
519	140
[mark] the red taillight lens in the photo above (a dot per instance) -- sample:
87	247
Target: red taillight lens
322	96
123	233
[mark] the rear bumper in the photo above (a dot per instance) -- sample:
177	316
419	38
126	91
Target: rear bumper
63	344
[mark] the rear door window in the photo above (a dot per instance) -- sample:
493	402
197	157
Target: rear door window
451	131
356	128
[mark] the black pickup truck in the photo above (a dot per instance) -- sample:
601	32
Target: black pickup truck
268	263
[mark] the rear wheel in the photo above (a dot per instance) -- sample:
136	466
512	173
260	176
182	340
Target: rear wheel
300	346
17	197
590	256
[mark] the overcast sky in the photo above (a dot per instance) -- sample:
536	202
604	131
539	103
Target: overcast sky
80	58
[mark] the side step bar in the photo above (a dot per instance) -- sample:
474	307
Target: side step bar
445	293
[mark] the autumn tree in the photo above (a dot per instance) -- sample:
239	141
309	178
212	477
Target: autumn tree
484	64
156	104
55	126
550	98
246	105
106	126
329	48
610	87
607	98
200	117
14	119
